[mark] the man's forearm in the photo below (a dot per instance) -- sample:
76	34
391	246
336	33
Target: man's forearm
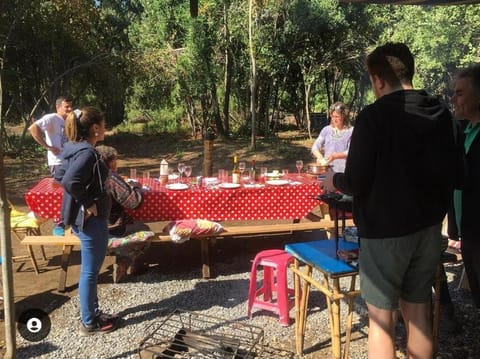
37	136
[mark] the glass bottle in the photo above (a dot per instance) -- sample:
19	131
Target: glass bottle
163	171
252	172
235	171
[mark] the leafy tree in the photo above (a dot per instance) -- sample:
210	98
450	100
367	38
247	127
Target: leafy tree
445	38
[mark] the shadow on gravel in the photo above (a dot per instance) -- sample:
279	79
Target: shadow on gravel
46	301
39	349
204	296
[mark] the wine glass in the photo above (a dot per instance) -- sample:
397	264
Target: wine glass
299	165
241	166
188	172
181	169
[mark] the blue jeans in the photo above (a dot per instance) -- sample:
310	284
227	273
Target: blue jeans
94	240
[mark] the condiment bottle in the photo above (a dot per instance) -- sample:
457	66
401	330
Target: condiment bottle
163	171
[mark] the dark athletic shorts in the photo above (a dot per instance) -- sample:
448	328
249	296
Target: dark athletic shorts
399	268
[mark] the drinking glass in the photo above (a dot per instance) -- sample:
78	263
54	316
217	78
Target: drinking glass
241	166
133	173
181	169
188	171
146	177
299	165
251	175
222	175
263	174
175	178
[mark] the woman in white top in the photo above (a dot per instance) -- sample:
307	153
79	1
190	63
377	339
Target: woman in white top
334	139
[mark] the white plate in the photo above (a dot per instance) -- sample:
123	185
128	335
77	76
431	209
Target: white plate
177	186
210	180
173	177
253	185
228	185
271	174
277	182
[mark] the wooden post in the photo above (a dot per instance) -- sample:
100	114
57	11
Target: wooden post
208	155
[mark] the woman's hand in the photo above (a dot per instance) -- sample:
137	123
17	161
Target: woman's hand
336	156
327	183
331	157
91	211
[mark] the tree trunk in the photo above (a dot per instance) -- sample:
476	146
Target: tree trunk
228	76
193	8
253	79
307	108
216	111
327	90
5	238
275	108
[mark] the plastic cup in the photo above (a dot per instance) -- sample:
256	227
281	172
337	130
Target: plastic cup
146	176
133	173
263	174
222	175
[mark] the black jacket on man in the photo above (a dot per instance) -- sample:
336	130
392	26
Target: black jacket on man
400	165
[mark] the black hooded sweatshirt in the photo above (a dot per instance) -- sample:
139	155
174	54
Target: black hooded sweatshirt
82	176
401	164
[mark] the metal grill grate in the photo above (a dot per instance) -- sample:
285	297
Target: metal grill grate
184	334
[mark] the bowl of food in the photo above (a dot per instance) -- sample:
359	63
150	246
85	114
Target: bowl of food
275	174
318	168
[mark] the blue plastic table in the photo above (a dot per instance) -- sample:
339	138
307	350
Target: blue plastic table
322	256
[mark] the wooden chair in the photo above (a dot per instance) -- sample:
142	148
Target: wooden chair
23	225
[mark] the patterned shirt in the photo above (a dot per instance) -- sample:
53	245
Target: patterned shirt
333	140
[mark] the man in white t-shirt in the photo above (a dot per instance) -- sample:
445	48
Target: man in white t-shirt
49	131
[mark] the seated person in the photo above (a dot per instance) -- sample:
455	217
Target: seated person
127	250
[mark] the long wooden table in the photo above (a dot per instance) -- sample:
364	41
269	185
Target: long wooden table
290	202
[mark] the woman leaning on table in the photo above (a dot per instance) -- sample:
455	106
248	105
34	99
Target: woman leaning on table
86	207
334	139
466	105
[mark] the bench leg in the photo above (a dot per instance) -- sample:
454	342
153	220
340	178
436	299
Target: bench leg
67	250
32	258
42	248
204	247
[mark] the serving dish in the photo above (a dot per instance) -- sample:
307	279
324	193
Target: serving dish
228	185
177	186
277	182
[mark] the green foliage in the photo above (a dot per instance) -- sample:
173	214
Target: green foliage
443	40
154	122
149	58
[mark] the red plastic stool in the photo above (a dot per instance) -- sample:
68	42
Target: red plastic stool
272	260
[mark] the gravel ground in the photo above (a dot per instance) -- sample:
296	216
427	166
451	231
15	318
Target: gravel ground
148	299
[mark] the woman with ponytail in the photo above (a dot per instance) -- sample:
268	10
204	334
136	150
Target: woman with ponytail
86	208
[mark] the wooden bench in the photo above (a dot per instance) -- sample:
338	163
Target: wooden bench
69	241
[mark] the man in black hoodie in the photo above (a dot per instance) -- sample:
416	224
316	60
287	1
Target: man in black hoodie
401	154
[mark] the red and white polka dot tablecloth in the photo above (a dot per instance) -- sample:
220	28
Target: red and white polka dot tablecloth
45	198
293	201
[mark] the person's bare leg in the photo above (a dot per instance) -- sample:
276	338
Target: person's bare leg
381	344
419	328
